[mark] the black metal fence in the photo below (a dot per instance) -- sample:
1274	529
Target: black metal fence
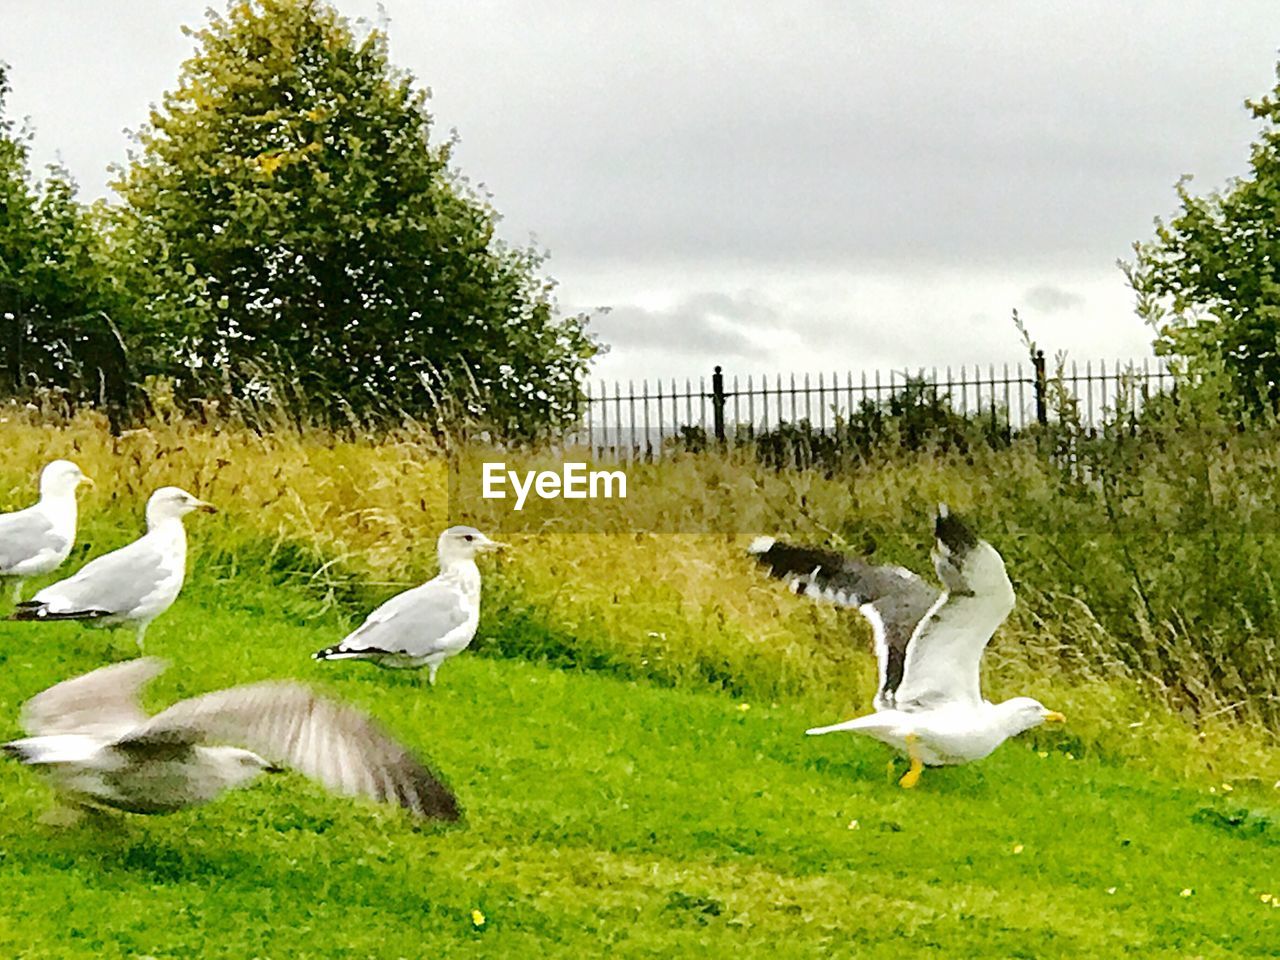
626	422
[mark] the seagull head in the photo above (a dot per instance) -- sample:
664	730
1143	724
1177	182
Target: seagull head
61	478
174	503
463	543
235	767
1024	713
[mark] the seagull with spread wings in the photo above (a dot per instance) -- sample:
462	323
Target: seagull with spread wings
91	736
928	643
427	625
130	586
37	540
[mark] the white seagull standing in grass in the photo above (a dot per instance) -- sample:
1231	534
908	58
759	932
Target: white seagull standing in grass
37	540
129	586
928	643
427	625
91	736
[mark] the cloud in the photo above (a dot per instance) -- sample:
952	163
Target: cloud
706	324
1047	298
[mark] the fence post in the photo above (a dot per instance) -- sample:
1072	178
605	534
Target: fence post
1042	389
717	404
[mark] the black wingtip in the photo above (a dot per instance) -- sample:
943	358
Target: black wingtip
952	533
41	612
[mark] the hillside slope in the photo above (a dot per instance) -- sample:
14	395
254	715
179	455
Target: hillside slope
605	814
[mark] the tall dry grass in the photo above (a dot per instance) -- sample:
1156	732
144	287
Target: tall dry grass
1138	643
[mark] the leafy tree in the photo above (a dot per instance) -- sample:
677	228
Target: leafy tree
294	237
1209	282
57	339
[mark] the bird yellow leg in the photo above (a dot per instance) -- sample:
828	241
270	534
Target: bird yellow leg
912	776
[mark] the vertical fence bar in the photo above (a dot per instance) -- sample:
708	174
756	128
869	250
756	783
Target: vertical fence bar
1042	389
717	404
737	414
675	410
648	434
617	418
1022	399
1008	413
631	403
1088	387
822	403
662	435
604	418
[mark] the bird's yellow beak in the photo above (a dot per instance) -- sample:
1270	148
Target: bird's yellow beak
205	507
87	480
1053	716
496	545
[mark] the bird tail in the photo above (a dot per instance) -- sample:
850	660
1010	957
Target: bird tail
33	610
17	749
871	722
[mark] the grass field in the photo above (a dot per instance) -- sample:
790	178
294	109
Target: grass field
626	735
606	815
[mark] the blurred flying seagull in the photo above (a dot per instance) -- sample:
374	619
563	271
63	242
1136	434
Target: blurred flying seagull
37	540
91	736
427	625
928	643
132	585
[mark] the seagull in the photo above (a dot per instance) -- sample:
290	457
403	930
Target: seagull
429	624
132	585
37	540
928	644
101	750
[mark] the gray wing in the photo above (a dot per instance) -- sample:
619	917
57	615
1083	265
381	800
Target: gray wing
103	702
892	599
413	622
288	724
24	535
117	582
944	656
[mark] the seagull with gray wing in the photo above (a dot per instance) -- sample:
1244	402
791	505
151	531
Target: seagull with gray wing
928	643
101	750
130	586
427	625
37	540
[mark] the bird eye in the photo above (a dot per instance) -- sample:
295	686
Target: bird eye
468	538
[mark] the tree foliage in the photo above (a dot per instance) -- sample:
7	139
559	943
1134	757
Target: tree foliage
1209	282
57	339
294	237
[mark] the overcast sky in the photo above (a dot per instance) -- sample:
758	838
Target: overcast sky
772	186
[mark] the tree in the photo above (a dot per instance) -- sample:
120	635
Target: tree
295	238
1209	283
57	338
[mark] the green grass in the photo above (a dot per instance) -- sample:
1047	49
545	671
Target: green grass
615	816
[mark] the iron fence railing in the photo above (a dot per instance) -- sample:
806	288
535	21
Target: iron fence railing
627	421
